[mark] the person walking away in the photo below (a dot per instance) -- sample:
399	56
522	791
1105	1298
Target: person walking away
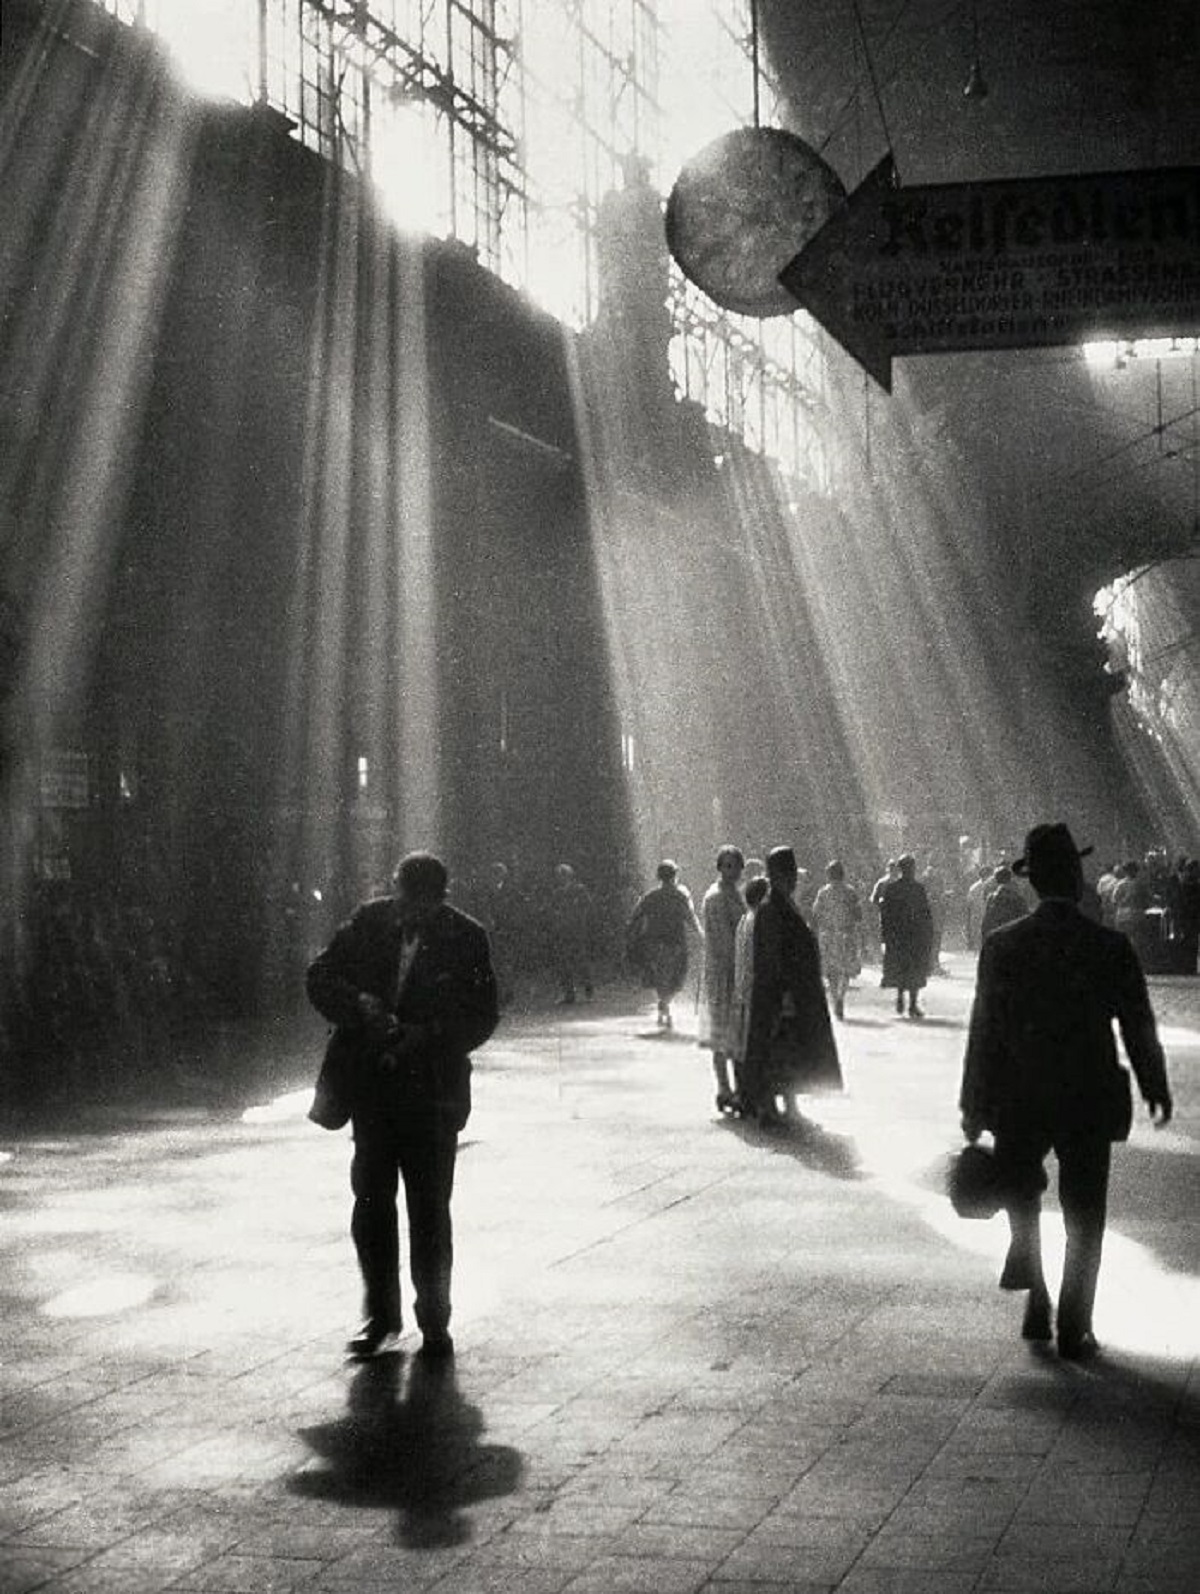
837	914
408	984
721	910
906	929
656	937
790	1046
743	980
1041	1073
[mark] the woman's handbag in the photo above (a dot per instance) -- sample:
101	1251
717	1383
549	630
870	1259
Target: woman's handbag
974	1183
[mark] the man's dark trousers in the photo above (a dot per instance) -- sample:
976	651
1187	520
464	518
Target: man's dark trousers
421	1152
1083	1166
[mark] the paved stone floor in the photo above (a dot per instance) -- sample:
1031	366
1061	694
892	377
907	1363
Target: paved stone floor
692	1356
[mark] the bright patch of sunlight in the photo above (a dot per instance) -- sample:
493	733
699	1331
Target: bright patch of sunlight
1110	354
103	1297
209	44
1142	1307
281	1110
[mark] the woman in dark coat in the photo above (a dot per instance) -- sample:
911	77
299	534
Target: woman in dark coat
790	1047
906	930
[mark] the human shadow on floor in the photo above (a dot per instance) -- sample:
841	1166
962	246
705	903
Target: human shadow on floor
410	1443
806	1142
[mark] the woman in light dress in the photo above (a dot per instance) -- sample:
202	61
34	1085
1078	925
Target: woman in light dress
837	915
657	937
743	983
720	913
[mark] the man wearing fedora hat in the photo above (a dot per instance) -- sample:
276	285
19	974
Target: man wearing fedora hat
1041	1072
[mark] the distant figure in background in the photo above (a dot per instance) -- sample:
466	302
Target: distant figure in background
407	982
1130	899
977	895
656	937
876	897
935	893
1041	1072
570	913
720	913
790	1046
1105	887
743	981
837	916
1188	916
906	929
1005	902
500	915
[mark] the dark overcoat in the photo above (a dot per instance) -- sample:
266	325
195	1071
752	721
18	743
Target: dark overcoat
1041	1056
787	999
906	930
450	991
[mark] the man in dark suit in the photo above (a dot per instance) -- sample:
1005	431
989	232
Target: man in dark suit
1041	1072
408	984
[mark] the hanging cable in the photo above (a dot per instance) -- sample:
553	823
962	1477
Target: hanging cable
883	122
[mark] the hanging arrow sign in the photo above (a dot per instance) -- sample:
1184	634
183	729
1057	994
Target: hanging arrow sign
945	267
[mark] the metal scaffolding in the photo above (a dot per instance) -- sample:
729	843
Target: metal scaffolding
505	124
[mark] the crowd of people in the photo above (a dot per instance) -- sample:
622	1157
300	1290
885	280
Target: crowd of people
105	996
409	985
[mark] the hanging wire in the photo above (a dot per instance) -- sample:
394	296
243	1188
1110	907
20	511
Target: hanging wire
883	121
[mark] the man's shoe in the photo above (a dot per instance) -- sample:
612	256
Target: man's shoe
436	1347
1017	1273
1035	1324
371	1338
1078	1347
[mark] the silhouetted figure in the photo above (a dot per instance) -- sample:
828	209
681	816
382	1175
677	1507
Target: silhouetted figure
408	983
906	930
656	937
1187	924
1041	1072
570	916
790	1046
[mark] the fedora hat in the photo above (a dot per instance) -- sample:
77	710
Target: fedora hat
1047	847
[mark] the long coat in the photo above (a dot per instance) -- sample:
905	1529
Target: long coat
906	930
450	990
787	995
1041	1055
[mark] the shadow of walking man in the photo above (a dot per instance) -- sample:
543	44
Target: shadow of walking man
410	1444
